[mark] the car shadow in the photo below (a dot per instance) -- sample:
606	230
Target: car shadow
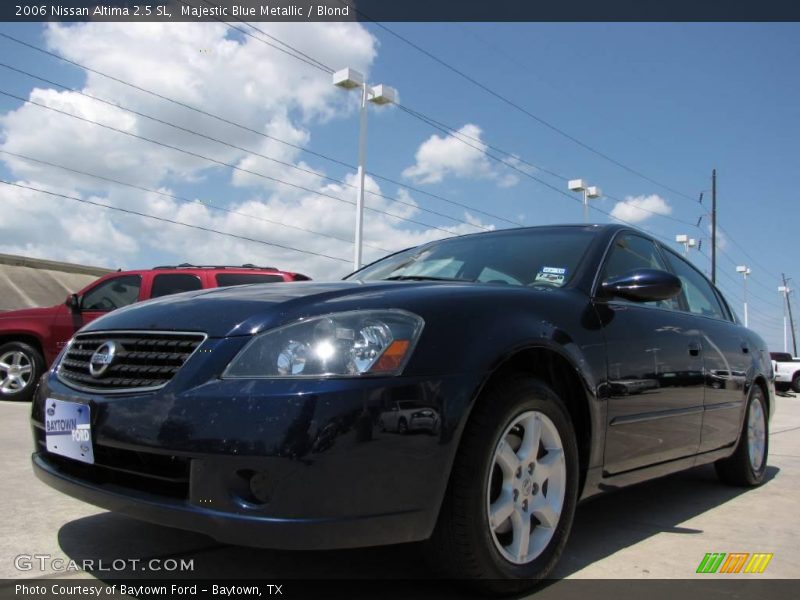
603	526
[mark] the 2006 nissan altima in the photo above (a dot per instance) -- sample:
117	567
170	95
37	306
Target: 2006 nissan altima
555	362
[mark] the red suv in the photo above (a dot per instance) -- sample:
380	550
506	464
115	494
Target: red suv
31	338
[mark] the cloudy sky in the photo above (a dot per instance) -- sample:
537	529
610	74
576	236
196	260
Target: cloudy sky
663	104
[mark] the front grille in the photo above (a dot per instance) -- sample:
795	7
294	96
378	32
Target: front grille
142	360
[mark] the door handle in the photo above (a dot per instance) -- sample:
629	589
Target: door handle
694	349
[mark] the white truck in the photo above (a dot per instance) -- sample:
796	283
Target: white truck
787	371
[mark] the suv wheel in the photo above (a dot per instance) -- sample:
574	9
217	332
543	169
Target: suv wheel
748	463
21	366
513	490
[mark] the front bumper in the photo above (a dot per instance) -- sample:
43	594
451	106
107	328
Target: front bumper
329	478
241	529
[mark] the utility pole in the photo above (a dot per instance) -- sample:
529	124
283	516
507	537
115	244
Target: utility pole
789	307
714	226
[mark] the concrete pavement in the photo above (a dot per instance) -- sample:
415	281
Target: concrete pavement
660	529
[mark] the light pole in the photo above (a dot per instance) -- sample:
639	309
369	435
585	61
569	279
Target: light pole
350	79
687	242
590	192
745	271
783	289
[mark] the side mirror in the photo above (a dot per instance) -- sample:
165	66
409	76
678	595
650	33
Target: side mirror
73	302
643	285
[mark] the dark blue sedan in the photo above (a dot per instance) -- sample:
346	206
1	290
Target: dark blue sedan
547	364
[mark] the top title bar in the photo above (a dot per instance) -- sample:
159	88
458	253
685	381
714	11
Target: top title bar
400	10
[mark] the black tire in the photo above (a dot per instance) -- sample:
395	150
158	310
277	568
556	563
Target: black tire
463	546
796	383
33	358
738	469
402	427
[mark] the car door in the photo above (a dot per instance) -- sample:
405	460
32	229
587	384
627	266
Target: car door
726	355
655	371
106	295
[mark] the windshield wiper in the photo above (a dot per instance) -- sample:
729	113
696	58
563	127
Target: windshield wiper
423	278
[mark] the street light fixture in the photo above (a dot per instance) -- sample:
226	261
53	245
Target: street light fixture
590	192
784	289
687	242
350	79
745	271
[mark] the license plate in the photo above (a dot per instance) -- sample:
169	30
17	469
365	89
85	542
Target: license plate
68	430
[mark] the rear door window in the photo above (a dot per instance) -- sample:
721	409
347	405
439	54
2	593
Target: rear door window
227	279
174	283
697	291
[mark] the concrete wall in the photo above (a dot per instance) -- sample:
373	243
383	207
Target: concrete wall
31	282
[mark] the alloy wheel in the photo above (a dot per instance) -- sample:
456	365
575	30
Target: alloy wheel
526	488
16	372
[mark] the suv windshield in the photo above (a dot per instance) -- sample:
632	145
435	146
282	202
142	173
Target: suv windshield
533	257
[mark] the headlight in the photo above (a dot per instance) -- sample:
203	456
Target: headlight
348	344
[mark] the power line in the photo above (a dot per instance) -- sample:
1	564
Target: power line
429	120
752	278
234	146
183	199
740	299
261	133
221	163
458	135
307	60
752	260
442	127
173	101
165	220
316	63
522	109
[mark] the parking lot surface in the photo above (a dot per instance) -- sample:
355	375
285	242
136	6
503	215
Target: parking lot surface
660	529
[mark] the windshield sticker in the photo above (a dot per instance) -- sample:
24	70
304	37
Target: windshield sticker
551	275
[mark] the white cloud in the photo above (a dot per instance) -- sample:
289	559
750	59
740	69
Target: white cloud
635	209
244	80
459	155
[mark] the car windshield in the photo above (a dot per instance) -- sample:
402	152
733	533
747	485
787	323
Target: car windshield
544	257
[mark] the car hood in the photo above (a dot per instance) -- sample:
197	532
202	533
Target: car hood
250	309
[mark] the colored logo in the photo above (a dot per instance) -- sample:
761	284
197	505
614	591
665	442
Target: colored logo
734	562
